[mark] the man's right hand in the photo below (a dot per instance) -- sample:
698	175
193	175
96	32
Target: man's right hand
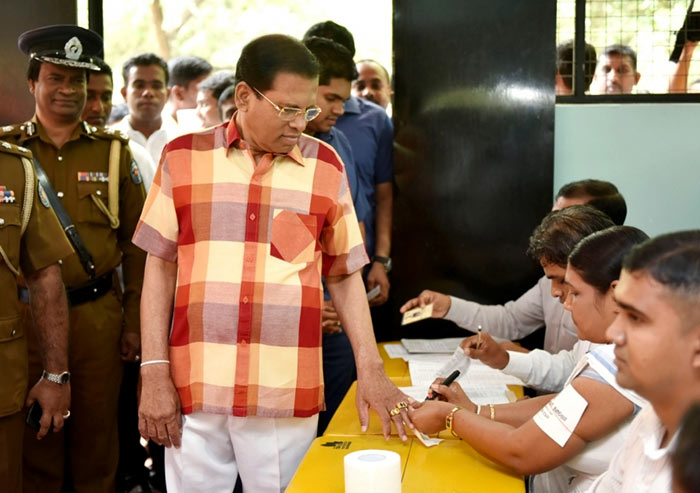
441	303
488	351
160	418
54	400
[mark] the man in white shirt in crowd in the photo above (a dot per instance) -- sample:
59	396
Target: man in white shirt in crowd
98	108
184	75
657	354
145	92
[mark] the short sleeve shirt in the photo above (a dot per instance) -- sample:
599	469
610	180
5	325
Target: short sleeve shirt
43	243
337	139
371	135
251	242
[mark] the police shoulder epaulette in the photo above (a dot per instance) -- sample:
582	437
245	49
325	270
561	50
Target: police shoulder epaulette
12	130
15	149
106	133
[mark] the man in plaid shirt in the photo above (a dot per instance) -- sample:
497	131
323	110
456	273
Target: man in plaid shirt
241	222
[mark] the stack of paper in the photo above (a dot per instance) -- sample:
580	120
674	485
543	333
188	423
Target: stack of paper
429	359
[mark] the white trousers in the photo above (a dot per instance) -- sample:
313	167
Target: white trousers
216	448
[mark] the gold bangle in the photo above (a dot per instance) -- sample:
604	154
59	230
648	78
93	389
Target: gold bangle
449	420
493	412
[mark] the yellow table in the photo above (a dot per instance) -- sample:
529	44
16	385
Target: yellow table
345	421
452	466
394	367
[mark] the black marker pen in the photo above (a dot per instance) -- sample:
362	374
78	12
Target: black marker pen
453	376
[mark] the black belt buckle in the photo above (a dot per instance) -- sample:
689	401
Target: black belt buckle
89	292
77	296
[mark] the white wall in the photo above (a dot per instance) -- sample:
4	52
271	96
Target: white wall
651	152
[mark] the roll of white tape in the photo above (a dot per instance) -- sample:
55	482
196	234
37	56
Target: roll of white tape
373	471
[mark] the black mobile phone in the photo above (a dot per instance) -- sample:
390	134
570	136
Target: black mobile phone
34	416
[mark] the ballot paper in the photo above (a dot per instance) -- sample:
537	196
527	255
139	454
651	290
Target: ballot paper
458	361
416	314
425	439
447	345
482	384
396	350
374	292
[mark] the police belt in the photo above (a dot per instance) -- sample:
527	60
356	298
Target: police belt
91	291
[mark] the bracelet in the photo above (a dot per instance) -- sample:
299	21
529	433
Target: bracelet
449	420
478	409
155	361
493	412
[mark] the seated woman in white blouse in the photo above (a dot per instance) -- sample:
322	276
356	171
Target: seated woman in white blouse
573	434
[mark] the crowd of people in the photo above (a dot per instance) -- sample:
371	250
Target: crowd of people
197	268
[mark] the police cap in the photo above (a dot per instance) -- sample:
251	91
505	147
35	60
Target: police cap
62	44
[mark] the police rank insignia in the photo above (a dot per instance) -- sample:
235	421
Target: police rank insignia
43	198
135	173
7	196
93	176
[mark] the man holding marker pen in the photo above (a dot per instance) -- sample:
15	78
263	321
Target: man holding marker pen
241	222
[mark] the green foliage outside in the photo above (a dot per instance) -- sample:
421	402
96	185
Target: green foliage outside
217	30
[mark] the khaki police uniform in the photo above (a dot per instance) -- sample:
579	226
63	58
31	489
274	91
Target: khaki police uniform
40	245
79	173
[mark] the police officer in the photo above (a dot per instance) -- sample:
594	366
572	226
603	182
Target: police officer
31	239
95	187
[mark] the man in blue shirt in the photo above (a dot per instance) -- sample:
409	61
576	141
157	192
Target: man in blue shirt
371	134
336	75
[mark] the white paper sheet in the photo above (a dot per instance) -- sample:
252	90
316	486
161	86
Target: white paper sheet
447	345
396	351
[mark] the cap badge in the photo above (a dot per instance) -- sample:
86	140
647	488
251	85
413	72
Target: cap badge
73	48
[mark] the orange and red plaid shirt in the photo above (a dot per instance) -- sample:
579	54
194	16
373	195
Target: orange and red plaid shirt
251	243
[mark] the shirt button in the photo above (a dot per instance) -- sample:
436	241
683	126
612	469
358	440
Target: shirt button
14	331
252	217
249	259
60	262
245	299
60	195
60	158
2	221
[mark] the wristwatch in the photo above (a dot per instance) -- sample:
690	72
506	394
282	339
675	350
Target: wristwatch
385	261
59	378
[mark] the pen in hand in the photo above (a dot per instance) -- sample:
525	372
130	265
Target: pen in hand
453	376
478	337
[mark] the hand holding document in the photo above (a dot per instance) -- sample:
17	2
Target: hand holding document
417	314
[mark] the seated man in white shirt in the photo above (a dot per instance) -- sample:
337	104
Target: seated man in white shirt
145	92
517	319
657	353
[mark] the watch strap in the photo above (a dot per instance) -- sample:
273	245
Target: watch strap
57	378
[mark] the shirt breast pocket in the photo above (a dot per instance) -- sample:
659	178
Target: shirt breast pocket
92	203
294	236
10	225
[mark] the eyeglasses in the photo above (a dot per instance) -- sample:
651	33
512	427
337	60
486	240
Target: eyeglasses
288	114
